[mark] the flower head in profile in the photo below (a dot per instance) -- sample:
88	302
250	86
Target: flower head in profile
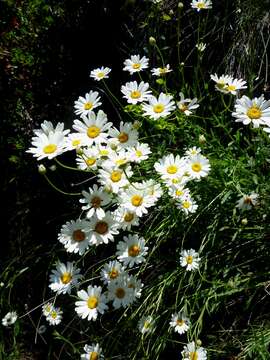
193	352
9	318
158	107
100	73
92	352
187	106
135	64
146	324
189	259
246	202
201	4
161	71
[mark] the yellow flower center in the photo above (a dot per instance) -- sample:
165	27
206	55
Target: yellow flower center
135	94
49	149
129	217
116	176
136	66
90	161
247	200
139	153
93	131
193	355
104	152
88	106
179	192
54	314
172	169
158	108
180	322
254	112
96	202
134	250
221	84
175	181
121	162
136	200
101	227
120	293
123	137
78	235
147	324
197	167
92	302
94	355
162	71
186	204
114	273
76	142
100	74
189	259
66	277
201	5
231	87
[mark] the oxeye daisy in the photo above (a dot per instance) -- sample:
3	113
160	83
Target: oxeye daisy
233	85
187	205
146	324
189	259
132	250
94	200
100	73
171	166
187	106
93	352
180	323
55	316
198	166
74	141
255	111
136	285
193	352
88	159
112	271
74	237
114	177
83	106
161	71
158	107
116	159
139	152
64	277
201	4
9	318
135	92
126	136
48	128
102	230
221	82
91	303
193	151
135	64
126	218
246	202
48	146
179	192
119	293
94	127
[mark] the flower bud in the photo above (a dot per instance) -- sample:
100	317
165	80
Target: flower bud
152	40
42	169
180	5
244	221
202	139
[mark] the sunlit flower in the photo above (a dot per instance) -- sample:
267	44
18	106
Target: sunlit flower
246	202
64	277
132	250
139	152
91	303
48	128
74	141
180	323
201	4
146	325
198	166
93	352
179	192
233	85
9	318
161	71
74	237
135	64
126	136
193	352
159	107
112	271
135	284
187	205
187	106
190	152
189	259
102	230
100	73
48	146
114	177
171	166
85	105
88	159
126	218
135	92
94	199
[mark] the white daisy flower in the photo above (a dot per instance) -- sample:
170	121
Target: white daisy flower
93	352
255	111
48	146
55	316
74	141
119	293
161	71
48	128
135	92
198	166
134	283
187	205
171	167
104	151
84	106
116	159
47	308
114	177
159	107
179	193
135	64
146	325
74	237
135	199
125	218
94	127
221	81
100	73
102	230
9	318
112	271
180	323
127	136
246	202
189	259
91	303
139	152
95	199
193	151
152	188
234	85
187	105
193	352
64	277
201	4
88	160
132	250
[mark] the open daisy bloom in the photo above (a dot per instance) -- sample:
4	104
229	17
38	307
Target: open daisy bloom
180	323
201	4
171	166
93	352
83	106
189	259
126	136
193	352
9	318
158	107
135	92
187	204
255	111
198	166
54	317
120	294
132	250
135	64
102	230
100	73
94	199
64	277
91	303
112	271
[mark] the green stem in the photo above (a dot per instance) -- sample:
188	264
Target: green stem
59	190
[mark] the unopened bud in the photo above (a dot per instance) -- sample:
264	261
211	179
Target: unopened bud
136	125
152	40
244	221
53	167
202	139
198	342
79	151
180	5
42	169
